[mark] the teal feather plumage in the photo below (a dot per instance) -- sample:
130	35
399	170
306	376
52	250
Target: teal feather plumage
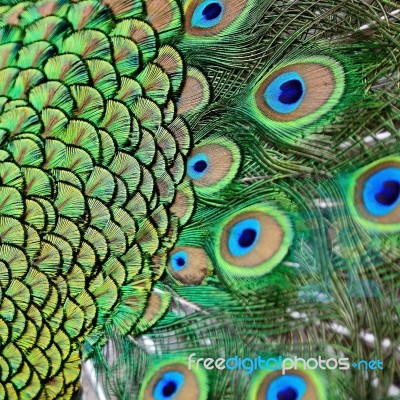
218	177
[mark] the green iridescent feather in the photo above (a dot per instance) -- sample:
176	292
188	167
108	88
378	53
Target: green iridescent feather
211	177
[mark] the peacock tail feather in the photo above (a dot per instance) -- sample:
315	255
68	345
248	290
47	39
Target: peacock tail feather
209	177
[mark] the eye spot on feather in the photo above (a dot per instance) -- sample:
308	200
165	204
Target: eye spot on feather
301	91
243	237
251	239
288	387
179	260
285	93
207	14
210	17
189	265
376	193
197	166
171	380
168	385
213	164
251	242
296	385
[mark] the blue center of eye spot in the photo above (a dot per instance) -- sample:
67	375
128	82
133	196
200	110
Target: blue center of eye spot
288	387
168	385
198	166
208	14
285	93
243	237
169	389
389	193
179	260
288	393
247	237
212	11
381	191
291	92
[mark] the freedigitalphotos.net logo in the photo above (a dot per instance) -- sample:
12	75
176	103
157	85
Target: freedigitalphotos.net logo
249	365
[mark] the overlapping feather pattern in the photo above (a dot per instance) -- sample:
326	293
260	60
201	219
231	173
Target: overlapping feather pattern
219	177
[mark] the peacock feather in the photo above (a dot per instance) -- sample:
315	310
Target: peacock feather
209	177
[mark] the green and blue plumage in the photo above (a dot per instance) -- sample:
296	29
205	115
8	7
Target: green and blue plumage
219	177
